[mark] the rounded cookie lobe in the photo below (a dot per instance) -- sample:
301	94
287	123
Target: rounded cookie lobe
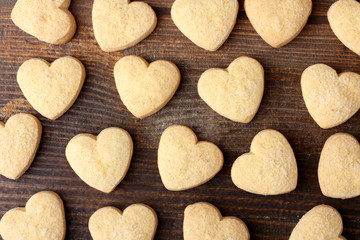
145	88
207	23
120	24
137	222
331	99
204	221
101	162
321	222
184	162
43	218
49	21
339	167
235	92
278	22
269	168
19	141
344	22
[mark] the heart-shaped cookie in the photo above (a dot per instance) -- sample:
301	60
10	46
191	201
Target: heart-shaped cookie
137	222
321	222
235	92
19	141
145	89
51	88
269	169
331	99
48	20
119	24
184	162
345	23
207	23
339	167
102	161
278	22
203	221
43	218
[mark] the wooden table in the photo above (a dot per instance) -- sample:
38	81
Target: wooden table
99	107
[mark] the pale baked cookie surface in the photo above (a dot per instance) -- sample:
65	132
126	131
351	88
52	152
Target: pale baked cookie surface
184	162
339	167
235	92
120	24
207	23
331	99
321	222
269	168
51	88
344	20
43	218
48	20
203	221
137	222
145	88
19	141
101	161
277	21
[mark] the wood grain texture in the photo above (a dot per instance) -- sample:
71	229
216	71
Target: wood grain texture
99	107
